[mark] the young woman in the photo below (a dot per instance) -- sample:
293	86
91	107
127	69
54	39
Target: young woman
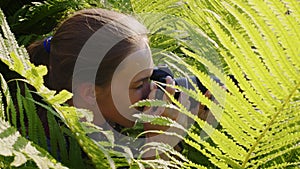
103	57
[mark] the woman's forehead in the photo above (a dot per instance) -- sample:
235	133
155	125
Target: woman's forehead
133	64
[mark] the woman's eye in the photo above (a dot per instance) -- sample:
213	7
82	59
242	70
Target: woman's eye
141	83
140	86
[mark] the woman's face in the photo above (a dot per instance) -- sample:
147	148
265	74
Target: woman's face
130	83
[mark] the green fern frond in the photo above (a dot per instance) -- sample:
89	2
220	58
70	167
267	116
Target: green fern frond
152	6
272	157
58	142
278	28
75	154
52	134
245	123
12	144
33	119
211	152
238	99
238	72
2	109
259	42
273	57
285	165
244	67
277	144
167	150
287	19
7	96
292	6
158	120
20	110
262	47
226	122
215	135
252	67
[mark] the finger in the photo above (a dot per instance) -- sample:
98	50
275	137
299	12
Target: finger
151	96
152	86
154	110
170	113
170	81
182	119
169	89
153	90
184	100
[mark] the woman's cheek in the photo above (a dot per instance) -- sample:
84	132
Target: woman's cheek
135	95
139	94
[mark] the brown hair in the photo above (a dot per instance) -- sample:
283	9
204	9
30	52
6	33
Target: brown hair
72	35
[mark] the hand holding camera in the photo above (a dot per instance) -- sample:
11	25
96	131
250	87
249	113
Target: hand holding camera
173	114
164	75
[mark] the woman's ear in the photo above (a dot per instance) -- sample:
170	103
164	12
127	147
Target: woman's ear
85	95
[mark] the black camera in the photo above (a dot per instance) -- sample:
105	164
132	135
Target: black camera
161	72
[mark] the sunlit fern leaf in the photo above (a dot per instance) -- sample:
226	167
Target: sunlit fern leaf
13	144
292	7
282	25
215	135
261	45
230	104
4	89
278	107
159	28
175	32
274	59
158	120
275	108
8	37
141	6
259	41
8	100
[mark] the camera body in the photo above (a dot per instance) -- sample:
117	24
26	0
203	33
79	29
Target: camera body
161	72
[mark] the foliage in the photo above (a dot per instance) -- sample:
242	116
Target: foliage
30	20
259	42
256	119
34	20
13	145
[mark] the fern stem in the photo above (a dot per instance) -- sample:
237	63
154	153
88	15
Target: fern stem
286	101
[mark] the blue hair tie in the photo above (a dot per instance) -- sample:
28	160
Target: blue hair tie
47	43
